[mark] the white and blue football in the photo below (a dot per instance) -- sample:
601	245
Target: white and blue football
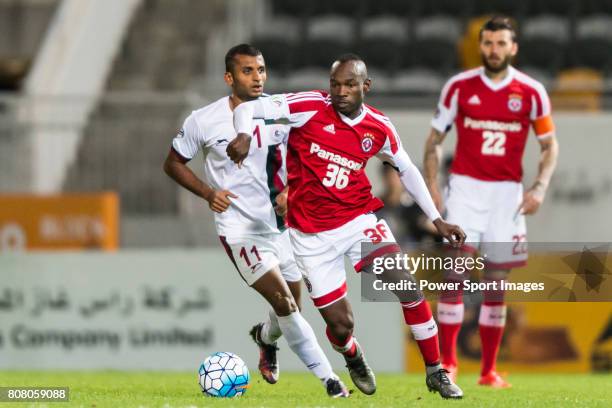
223	374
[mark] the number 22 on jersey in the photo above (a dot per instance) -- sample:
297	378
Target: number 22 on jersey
494	143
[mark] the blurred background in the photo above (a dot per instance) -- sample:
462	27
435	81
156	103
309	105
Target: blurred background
107	263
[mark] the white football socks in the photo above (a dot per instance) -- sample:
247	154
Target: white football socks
270	332
303	342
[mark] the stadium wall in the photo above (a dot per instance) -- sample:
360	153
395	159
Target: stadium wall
161	310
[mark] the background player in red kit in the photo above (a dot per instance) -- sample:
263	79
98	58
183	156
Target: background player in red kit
330	207
492	107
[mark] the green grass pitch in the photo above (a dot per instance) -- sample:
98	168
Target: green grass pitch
162	389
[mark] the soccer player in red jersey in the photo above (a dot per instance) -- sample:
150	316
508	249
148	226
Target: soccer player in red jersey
330	206
492	108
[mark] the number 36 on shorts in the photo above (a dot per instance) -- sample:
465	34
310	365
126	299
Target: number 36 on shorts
379	233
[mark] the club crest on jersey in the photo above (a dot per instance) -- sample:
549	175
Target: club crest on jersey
367	142
277	100
515	102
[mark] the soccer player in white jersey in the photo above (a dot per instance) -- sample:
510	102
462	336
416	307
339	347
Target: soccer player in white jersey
493	107
244	199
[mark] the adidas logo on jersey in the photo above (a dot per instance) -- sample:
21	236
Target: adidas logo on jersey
330	128
474	100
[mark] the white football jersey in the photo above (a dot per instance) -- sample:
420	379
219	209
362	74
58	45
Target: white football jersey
259	180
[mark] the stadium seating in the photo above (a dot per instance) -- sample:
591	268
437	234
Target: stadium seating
457	8
296	8
435	44
396	37
381	81
543	43
326	37
331	26
512	8
593	46
279	53
344	7
278	41
399	8
388	27
546	26
434	47
418	81
381	37
589	7
563	8
578	88
440	27
19	42
307	78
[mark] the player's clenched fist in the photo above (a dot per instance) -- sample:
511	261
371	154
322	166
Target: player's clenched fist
281	204
532	199
218	201
453	233
238	149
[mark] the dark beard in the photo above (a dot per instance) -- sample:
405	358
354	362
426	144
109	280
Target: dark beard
503	66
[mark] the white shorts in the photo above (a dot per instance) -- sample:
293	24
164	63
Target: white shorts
254	255
488	212
320	256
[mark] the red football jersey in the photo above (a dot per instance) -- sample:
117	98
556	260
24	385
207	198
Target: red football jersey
492	122
326	158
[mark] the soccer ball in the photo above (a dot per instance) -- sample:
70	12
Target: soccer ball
223	375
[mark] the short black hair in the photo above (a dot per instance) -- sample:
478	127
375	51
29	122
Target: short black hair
498	23
350	57
240	49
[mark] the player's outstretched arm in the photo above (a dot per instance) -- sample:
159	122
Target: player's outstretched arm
534	196
274	109
238	149
431	164
176	168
